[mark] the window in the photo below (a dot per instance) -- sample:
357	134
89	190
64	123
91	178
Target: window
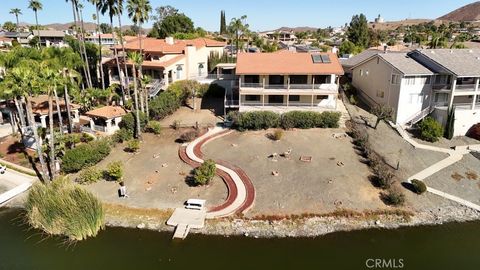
380	94
322	97
252	98
366	72
294	98
395	79
361	72
424	80
179	72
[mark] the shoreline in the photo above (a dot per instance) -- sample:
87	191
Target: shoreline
297	227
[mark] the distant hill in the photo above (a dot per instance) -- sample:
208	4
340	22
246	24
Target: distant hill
395	24
89	26
468	13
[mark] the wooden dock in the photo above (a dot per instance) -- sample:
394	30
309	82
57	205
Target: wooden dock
181	231
185	219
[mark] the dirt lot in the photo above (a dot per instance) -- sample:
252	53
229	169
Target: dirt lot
318	186
149	184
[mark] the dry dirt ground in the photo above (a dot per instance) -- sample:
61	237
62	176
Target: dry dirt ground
208	112
319	186
149	185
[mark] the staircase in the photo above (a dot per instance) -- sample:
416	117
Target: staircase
419	116
156	87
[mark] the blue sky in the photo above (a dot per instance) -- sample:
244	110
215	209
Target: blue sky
262	14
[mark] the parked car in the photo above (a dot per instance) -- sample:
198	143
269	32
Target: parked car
3	169
195	204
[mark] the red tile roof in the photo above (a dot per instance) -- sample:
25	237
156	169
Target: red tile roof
154	45
286	62
159	64
40	104
107	112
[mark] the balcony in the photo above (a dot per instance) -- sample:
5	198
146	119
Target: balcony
465	88
294	88
441	87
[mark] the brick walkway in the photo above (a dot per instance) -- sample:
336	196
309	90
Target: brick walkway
241	192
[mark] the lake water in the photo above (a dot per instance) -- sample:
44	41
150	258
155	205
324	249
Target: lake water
450	246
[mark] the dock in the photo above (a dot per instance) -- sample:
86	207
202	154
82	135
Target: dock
185	219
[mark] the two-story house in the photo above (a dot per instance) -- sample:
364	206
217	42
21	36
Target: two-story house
284	81
424	82
168	60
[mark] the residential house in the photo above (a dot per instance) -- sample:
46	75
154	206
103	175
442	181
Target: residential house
50	37
424	82
40	111
5	41
285	80
168	60
106	39
23	38
104	120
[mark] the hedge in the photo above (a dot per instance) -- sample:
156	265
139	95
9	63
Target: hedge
430	129
294	119
85	155
163	105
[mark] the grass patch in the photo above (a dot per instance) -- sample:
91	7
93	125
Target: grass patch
471	175
64	208
456	176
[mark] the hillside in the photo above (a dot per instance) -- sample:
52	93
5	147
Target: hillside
295	29
468	13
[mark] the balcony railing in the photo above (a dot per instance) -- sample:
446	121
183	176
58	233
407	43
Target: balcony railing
441	87
465	87
325	87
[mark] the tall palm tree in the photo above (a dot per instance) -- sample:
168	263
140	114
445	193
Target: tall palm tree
120	35
96	16
112	8
136	60
36	5
16	12
138	12
238	26
79	8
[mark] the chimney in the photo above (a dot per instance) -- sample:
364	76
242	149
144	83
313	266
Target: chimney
169	40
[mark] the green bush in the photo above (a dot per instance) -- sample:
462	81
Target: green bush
300	119
114	171
393	196
164	105
188	136
430	129
133	146
122	135
329	120
419	186
154	127
257	120
85	155
183	89
87	137
63	208
129	121
89	175
204	173
277	135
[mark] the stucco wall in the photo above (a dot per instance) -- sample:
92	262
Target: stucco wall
464	120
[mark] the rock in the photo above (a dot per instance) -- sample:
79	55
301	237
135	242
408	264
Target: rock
141	226
378	223
164	165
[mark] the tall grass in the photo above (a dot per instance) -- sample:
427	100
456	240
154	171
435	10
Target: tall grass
64	208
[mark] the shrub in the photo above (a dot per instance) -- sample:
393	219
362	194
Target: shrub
183	89
300	119
257	120
204	173
277	135
89	175
129	122
393	196
63	208
85	155
384	176
133	146
154	127
329	120
163	105
430	129
419	186
188	136
114	171
87	137
122	135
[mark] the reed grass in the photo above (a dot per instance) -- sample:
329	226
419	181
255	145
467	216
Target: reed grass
64	208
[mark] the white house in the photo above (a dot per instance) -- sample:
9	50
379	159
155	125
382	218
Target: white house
105	120
287	80
424	82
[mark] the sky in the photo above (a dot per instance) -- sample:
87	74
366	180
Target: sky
261	14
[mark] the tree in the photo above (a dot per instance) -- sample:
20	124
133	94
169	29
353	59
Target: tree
35	5
358	31
16	12
238	27
112	8
163	12
449	130
105	28
137	60
205	172
347	47
382	112
223	23
96	3
9	26
430	129
176	23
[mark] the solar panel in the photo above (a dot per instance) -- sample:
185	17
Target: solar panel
316	58
325	58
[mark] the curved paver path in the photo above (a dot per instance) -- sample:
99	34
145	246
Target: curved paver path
241	193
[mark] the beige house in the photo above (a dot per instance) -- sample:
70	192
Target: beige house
168	60
284	81
105	120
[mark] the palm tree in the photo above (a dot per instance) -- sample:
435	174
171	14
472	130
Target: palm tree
96	17
144	82
79	8
17	12
36	5
111	7
136	60
138	11
120	35
25	78
238	27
